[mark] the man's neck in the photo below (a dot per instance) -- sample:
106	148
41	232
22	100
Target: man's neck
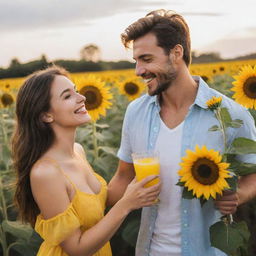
180	95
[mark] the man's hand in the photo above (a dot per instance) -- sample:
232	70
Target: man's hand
227	203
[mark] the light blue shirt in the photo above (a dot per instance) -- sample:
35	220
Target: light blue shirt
140	130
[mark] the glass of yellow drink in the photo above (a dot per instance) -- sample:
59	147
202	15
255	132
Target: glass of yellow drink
146	164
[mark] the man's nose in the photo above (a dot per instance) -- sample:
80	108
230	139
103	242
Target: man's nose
139	70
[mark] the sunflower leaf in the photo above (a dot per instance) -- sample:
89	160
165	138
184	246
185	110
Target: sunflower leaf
225	116
100	136
235	123
229	238
187	194
108	150
241	169
102	126
242	146
214	128
232	182
180	183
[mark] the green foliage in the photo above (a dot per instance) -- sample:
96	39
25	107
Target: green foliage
230	238
15	238
101	141
16	69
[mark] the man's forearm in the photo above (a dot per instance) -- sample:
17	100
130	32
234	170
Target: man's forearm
246	188
116	188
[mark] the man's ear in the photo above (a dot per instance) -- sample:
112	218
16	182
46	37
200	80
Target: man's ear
46	117
177	52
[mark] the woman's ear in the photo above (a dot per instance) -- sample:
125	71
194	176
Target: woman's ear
46	117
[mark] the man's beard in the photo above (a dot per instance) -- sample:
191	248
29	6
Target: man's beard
165	81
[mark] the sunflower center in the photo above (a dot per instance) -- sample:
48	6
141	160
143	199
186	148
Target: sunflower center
205	171
7	99
93	97
250	87
131	88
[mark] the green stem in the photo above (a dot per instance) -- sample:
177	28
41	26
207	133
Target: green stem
95	141
230	218
3	242
3	203
3	127
5	217
224	135
223	131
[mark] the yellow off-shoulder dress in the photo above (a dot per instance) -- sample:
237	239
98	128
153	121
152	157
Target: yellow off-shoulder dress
84	211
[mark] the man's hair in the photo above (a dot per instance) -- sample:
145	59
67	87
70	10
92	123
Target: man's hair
169	28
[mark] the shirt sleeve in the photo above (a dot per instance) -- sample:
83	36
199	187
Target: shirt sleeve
247	130
55	230
124	152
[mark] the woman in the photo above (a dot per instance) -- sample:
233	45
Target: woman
57	190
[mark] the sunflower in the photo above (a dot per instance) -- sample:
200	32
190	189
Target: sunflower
132	88
214	102
245	87
97	95
6	98
203	172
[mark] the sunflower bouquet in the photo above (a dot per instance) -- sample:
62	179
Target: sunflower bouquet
206	173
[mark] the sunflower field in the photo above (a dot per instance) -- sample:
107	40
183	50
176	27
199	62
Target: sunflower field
108	93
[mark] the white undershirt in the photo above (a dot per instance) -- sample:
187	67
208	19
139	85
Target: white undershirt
166	238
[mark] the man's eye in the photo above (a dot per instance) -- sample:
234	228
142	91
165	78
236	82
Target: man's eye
66	97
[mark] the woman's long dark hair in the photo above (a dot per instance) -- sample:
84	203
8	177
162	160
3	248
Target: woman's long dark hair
32	137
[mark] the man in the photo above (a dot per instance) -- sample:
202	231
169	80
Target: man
173	117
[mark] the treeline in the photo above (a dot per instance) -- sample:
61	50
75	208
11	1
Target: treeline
215	57
17	69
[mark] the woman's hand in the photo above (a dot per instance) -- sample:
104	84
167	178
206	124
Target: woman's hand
137	196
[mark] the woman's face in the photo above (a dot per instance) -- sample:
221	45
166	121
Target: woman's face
67	108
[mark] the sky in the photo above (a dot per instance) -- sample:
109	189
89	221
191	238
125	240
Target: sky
61	28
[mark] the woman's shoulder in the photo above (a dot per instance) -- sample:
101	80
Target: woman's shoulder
79	149
44	169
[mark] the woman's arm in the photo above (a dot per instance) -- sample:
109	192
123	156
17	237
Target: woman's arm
50	192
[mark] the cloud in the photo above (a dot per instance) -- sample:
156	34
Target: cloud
214	14
232	47
30	14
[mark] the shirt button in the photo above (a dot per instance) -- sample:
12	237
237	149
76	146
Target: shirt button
185	225
185	242
155	129
185	211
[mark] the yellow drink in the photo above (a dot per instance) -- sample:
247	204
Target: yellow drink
145	167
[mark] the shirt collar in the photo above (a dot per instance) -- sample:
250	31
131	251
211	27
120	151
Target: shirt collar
203	94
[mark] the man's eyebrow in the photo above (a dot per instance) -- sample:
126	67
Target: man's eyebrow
143	56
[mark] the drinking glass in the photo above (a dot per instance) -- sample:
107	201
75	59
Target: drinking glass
146	164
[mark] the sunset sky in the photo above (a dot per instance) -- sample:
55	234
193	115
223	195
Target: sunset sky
60	28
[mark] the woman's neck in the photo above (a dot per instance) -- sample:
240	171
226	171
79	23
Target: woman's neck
63	145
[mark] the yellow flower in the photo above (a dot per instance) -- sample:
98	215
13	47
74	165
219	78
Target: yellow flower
132	88
203	172
7	98
245	87
214	102
97	95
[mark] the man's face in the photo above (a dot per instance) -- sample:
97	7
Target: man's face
152	64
